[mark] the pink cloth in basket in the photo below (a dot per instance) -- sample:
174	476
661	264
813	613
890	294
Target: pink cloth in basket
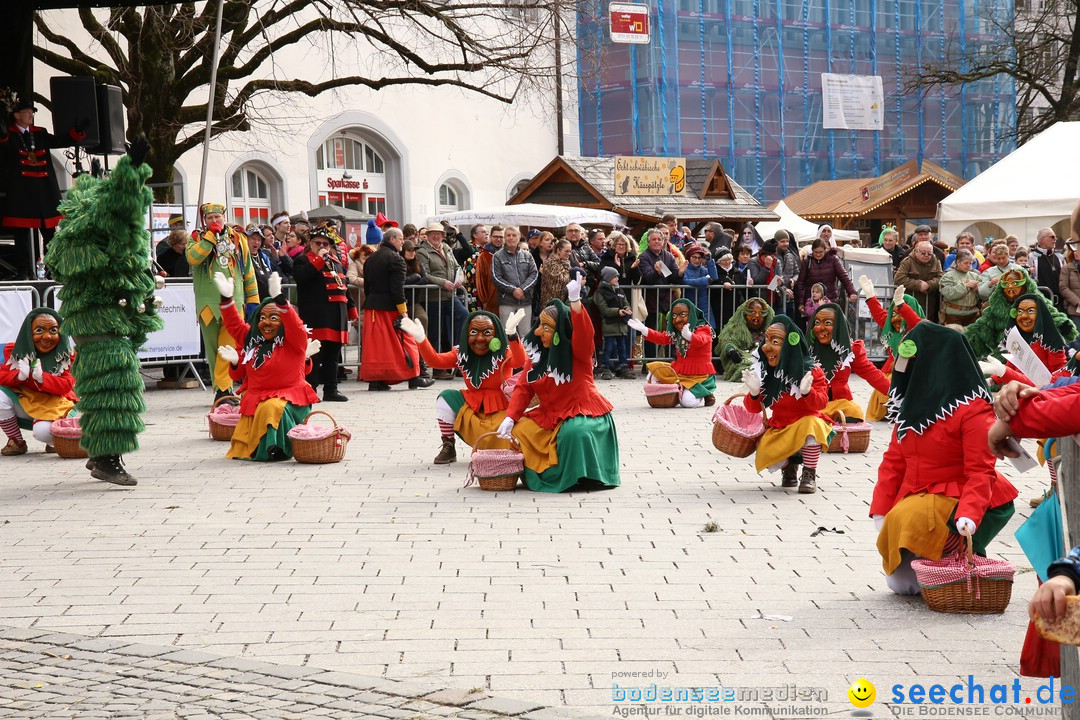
654	389
226	414
739	420
309	431
67	428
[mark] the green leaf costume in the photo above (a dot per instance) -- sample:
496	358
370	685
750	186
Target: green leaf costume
986	334
736	334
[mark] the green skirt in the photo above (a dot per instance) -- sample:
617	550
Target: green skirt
278	436
707	387
587	448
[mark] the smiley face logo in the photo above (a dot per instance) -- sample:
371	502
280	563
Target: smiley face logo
862	693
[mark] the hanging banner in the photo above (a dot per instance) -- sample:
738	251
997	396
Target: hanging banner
629	23
650	176
852	102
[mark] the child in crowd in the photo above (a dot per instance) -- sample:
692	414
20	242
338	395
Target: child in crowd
699	274
611	303
817	299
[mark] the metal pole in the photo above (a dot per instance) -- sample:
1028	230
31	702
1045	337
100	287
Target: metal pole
210	102
1069	488
558	83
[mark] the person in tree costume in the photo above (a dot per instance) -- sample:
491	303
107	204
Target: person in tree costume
101	255
692	337
219	250
736	341
904	313
988	332
36	386
271	366
785	380
1031	316
839	356
937	481
486	354
570	436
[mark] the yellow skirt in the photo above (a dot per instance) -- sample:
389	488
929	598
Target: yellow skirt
849	408
777	445
875	409
43	406
470	425
537	444
250	430
666	375
919	523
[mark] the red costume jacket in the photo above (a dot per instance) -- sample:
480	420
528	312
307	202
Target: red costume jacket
1054	360
698	358
1051	413
489	397
62	385
838	385
881	316
559	402
949	458
282	374
789	409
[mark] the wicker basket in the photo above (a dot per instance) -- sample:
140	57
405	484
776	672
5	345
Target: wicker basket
68	448
854	438
736	430
330	449
966	584
495	470
662	395
219	430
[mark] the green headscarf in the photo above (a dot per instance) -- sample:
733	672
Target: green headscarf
837	355
258	349
475	367
56	361
941	374
892	337
557	360
696	320
1045	332
795	361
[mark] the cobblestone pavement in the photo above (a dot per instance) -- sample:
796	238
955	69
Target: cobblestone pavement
386	567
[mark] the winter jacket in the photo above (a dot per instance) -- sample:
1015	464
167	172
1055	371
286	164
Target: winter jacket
627	275
700	278
956	299
1046	269
1069	287
514	271
911	272
440	267
828	271
609	300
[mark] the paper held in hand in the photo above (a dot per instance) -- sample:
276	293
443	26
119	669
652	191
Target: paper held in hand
1023	357
775	283
665	270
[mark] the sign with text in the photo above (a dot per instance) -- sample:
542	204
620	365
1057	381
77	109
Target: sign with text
629	23
852	102
180	337
650	176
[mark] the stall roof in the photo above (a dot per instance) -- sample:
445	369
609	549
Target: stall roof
590	182
861	196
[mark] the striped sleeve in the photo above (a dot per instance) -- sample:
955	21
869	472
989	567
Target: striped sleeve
198	249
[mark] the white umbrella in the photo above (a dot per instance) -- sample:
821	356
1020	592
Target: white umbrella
533	215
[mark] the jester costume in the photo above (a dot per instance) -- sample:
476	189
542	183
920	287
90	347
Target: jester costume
987	333
274	396
736	341
938	467
839	356
692	368
796	429
219	249
481	406
910	312
1045	341
35	382
570	436
101	256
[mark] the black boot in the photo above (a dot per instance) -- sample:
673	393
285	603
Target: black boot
789	475
420	382
379	385
111	469
808	483
448	454
332	395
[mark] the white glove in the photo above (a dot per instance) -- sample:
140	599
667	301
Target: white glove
637	325
573	290
879	522
23	366
512	321
228	354
224	285
313	346
965	526
991	366
806	383
752	382
866	285
686	332
504	429
413	328
273	284
898	295
36	372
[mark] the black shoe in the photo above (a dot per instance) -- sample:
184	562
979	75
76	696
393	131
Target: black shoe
808	483
110	469
378	385
625	374
420	382
606	374
789	475
334	397
276	454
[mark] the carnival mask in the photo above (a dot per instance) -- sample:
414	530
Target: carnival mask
1026	314
680	315
546	329
1012	284
46	333
755	316
481	332
824	325
773	344
897	321
269	322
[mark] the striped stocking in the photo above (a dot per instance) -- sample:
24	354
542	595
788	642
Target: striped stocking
810	455
10	426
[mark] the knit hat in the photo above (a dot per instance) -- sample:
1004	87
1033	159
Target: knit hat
781	234
692	249
373	236
176	220
608	273
769	247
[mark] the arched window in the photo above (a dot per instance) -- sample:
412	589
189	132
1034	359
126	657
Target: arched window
447	196
452	196
519	186
347	153
249	196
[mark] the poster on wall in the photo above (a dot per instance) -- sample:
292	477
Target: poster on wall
852	102
14	305
650	176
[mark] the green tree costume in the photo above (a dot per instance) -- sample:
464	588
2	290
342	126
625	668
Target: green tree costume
736	335
986	334
101	255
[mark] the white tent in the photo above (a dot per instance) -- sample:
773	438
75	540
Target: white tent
1034	186
803	230
533	215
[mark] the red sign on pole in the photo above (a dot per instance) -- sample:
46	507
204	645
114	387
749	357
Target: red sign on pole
629	23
